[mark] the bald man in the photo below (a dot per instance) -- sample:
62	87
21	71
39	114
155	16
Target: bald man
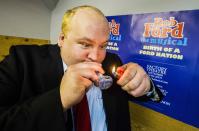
41	85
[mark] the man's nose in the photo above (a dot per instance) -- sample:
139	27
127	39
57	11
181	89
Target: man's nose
93	54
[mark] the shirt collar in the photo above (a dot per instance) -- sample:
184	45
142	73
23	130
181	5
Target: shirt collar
64	65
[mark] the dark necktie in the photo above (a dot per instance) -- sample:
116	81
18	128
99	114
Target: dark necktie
82	117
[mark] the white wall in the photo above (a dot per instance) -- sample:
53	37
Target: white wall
116	7
25	18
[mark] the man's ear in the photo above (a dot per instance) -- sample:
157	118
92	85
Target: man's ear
61	39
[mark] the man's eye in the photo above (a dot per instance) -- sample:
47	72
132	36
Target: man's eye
84	45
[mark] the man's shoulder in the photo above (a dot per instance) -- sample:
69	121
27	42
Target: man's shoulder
33	52
111	57
110	61
110	54
32	49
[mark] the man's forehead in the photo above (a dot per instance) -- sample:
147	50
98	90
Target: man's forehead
90	21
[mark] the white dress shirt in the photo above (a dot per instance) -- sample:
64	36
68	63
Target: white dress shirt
96	108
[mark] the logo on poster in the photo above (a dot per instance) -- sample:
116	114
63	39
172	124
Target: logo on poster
162	28
164	32
114	31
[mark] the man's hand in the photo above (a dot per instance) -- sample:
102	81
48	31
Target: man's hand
76	81
134	80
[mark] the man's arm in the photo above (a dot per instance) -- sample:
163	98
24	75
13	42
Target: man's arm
23	108
135	80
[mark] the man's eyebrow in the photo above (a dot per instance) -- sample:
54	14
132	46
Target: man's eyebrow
91	41
85	39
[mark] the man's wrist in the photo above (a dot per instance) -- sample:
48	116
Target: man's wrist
152	93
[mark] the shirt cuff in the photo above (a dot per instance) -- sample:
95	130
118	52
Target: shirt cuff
152	93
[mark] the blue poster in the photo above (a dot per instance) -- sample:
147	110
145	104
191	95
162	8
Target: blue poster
166	45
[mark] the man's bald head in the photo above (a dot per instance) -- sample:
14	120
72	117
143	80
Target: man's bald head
93	13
